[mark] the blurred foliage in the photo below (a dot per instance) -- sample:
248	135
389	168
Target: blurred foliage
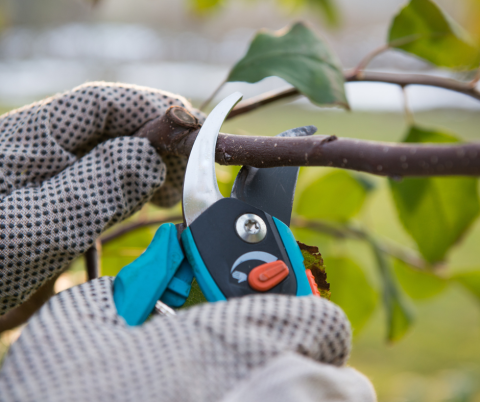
435	211
399	312
326	8
298	56
205	5
417	284
352	291
471	281
471	19
336	196
423	29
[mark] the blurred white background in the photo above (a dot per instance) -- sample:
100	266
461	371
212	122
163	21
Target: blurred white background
51	45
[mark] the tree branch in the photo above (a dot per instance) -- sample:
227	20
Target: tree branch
363	76
380	158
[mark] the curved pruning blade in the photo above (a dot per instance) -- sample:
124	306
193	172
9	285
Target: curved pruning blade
200	189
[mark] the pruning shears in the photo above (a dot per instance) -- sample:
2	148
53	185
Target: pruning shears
233	246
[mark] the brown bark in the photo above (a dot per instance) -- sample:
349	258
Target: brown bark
379	158
175	133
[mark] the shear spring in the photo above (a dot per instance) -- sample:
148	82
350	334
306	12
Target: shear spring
163	309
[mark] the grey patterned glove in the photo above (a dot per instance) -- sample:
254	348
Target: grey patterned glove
69	170
262	348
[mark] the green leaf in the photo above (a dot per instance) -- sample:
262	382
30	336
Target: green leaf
436	212
420	134
399	313
336	196
470	280
423	29
298	56
419	285
124	250
351	290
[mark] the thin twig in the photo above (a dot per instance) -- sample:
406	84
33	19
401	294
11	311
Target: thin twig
92	262
357	71
473	83
366	76
127	228
417	79
349	232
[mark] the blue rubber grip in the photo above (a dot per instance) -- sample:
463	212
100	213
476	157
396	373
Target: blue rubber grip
179	287
295	256
139	285
207	285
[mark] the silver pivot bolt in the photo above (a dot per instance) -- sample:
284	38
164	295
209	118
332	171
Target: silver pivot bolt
251	228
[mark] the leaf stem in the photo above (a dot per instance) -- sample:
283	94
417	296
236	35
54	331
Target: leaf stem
357	71
473	83
408	112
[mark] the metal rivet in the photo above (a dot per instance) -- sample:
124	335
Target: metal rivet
251	228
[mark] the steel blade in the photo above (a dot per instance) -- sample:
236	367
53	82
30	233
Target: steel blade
200	188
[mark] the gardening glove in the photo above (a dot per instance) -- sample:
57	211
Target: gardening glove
69	169
258	348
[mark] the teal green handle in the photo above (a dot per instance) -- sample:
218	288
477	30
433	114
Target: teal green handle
139	285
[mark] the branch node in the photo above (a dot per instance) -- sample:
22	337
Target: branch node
328	139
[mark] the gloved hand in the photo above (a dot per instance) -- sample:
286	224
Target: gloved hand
69	169
261	348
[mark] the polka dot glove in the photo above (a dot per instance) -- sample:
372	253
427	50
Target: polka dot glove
262	348
69	170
